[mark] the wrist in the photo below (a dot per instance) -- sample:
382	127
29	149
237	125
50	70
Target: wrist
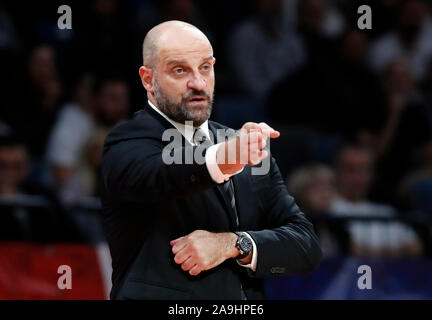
232	251
246	260
228	164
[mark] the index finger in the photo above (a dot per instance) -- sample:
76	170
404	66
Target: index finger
269	131
178	244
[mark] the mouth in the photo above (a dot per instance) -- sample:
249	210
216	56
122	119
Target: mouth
197	100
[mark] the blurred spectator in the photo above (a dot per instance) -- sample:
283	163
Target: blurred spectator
150	13
336	97
113	107
416	188
331	21
313	188
411	40
29	212
83	187
84	182
36	100
263	49
354	173
102	36
307	97
72	130
404	127
14	166
319	25
76	142
90	170
112	102
354	91
184	10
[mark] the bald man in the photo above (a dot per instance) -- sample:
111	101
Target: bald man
203	225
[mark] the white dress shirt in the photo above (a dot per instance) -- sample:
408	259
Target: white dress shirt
212	166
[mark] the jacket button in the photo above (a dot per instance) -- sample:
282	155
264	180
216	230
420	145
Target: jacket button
193	178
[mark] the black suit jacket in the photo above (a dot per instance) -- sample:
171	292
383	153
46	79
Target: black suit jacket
147	203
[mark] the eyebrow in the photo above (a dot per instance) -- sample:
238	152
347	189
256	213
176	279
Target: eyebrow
182	61
176	61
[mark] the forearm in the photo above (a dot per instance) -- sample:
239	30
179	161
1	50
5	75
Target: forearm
228	243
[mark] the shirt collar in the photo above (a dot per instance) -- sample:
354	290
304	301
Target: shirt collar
186	130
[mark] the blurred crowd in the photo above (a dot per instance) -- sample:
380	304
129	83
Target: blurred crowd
354	107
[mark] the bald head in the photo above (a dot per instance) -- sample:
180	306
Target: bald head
171	35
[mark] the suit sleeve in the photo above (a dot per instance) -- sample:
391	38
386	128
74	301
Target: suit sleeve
288	245
134	171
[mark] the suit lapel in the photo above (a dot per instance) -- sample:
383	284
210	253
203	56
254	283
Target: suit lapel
164	122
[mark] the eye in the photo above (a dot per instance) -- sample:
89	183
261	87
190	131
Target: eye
206	67
178	70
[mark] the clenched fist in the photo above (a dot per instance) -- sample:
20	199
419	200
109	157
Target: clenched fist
202	250
245	148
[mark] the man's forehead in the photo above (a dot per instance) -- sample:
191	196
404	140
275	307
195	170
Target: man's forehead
183	44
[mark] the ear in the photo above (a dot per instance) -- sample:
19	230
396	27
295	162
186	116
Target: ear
146	75
214	60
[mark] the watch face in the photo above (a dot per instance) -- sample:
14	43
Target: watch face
245	244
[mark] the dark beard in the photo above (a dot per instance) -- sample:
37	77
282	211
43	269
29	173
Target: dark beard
179	111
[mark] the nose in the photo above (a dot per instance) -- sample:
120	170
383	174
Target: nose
197	83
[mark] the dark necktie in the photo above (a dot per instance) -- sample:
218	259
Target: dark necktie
199	137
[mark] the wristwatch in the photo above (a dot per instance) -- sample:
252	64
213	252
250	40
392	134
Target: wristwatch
243	244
